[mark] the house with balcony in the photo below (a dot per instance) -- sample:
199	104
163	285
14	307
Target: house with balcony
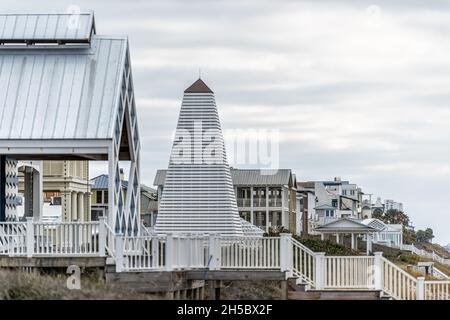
100	200
325	201
265	198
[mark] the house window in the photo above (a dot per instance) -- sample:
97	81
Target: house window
105	196
329	213
334	203
245	215
99	196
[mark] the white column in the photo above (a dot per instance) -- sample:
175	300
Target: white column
337	238
80	206
368	243
420	293
353	241
267	209
283	199
87	212
286	253
378	271
322	236
74	206
320	271
251	206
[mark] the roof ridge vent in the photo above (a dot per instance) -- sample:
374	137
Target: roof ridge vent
46	28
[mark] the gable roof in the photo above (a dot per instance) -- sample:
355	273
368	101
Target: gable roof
101	182
325	207
60	91
245	177
345	225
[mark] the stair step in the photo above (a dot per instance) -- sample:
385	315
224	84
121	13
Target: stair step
334	295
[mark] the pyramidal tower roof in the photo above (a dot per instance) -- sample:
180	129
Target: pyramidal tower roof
198	87
198	195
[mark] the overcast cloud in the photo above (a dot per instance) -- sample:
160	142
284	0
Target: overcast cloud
357	89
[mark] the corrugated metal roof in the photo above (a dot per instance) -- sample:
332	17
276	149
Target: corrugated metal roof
71	93
160	177
245	177
100	182
65	27
260	177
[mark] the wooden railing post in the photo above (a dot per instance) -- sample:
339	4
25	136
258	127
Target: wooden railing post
101	236
420	288
319	270
170	252
214	252
30	237
378	270
286	253
119	252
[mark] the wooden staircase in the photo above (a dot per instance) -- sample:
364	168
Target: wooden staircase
300	292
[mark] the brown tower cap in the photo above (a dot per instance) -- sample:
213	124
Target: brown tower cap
198	87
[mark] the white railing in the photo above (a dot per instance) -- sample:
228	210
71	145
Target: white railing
13	238
437	290
397	283
439	274
66	238
355	272
140	253
303	262
110	240
214	252
249	252
425	254
52	238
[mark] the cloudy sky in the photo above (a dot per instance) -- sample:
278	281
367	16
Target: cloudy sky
357	89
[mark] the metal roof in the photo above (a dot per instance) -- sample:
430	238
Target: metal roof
261	177
344	225
59	27
245	177
70	93
101	182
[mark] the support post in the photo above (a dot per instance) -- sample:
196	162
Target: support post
102	236
319	271
30	237
286	254
215	252
119	252
2	188
378	270
420	294
353	241
170	248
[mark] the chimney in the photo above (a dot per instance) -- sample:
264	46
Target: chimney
337	179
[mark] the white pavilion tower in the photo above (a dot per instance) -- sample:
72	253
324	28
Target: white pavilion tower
198	195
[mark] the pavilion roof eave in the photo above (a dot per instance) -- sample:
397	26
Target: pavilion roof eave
56	149
345	230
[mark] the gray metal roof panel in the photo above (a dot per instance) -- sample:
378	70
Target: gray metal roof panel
100	182
244	177
160	177
61	94
260	177
51	27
